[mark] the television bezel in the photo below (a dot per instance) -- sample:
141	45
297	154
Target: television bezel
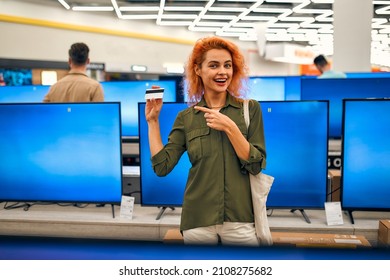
343	207
326	163
120	156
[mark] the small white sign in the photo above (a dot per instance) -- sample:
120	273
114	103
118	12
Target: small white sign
333	213
127	207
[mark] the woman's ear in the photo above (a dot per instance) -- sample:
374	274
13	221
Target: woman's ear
197	70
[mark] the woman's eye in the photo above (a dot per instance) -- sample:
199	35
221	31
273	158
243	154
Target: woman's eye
228	66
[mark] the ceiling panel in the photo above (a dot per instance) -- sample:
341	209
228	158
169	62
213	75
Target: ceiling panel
304	22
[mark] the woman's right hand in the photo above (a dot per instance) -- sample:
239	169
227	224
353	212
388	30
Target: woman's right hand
152	109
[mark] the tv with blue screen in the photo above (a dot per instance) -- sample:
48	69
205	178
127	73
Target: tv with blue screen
61	152
335	90
129	93
365	172
274	88
296	136
270	88
165	191
23	94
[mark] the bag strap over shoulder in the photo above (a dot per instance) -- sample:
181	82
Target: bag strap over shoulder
246	112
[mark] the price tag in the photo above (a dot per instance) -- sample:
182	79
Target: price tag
333	213
127	207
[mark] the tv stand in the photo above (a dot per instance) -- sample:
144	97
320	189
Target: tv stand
351	216
162	211
113	211
303	214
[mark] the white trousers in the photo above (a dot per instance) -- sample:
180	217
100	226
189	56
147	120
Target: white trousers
230	234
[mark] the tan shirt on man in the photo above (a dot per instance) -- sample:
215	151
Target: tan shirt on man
75	87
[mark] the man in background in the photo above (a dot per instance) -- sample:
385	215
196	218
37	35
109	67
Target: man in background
76	86
324	67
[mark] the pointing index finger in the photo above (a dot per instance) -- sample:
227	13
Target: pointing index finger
202	109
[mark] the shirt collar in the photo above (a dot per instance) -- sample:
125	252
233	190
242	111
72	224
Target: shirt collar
230	101
75	72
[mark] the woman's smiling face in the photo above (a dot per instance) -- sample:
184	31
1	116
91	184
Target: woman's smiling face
216	71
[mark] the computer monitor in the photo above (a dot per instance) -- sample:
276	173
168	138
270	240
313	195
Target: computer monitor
129	93
23	94
296	137
68	152
365	172
335	90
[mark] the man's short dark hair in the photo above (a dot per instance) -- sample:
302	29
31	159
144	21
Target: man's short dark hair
79	53
320	61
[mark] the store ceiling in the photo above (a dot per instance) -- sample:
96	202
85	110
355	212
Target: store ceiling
305	22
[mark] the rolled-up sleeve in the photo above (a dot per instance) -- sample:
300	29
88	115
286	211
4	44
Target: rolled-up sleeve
256	139
165	160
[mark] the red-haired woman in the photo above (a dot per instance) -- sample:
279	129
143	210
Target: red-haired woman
217	201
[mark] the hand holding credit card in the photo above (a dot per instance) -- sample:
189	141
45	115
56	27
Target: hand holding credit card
154	93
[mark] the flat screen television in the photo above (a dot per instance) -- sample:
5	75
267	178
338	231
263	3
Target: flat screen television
167	191
297	147
129	93
23	94
365	172
52	152
271	88
335	90
274	88
296	134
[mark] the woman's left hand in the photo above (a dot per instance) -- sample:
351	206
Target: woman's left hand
214	119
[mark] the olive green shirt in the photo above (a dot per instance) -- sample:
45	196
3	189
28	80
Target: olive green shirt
218	188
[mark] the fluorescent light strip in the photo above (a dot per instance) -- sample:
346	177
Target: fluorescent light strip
93	8
139	16
210	23
179	16
175	23
380	2
139	9
383	11
323	1
258	18
217	17
201	14
242	15
182	9
283	1
160	12
116	7
63	3
227	9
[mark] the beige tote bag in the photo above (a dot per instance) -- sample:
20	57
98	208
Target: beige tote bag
260	187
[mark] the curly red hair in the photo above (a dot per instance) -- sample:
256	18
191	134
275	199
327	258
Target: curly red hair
202	46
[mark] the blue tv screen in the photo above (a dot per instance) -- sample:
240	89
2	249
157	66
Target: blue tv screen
296	143
61	152
168	190
274	88
335	90
22	94
129	93
365	176
296	134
